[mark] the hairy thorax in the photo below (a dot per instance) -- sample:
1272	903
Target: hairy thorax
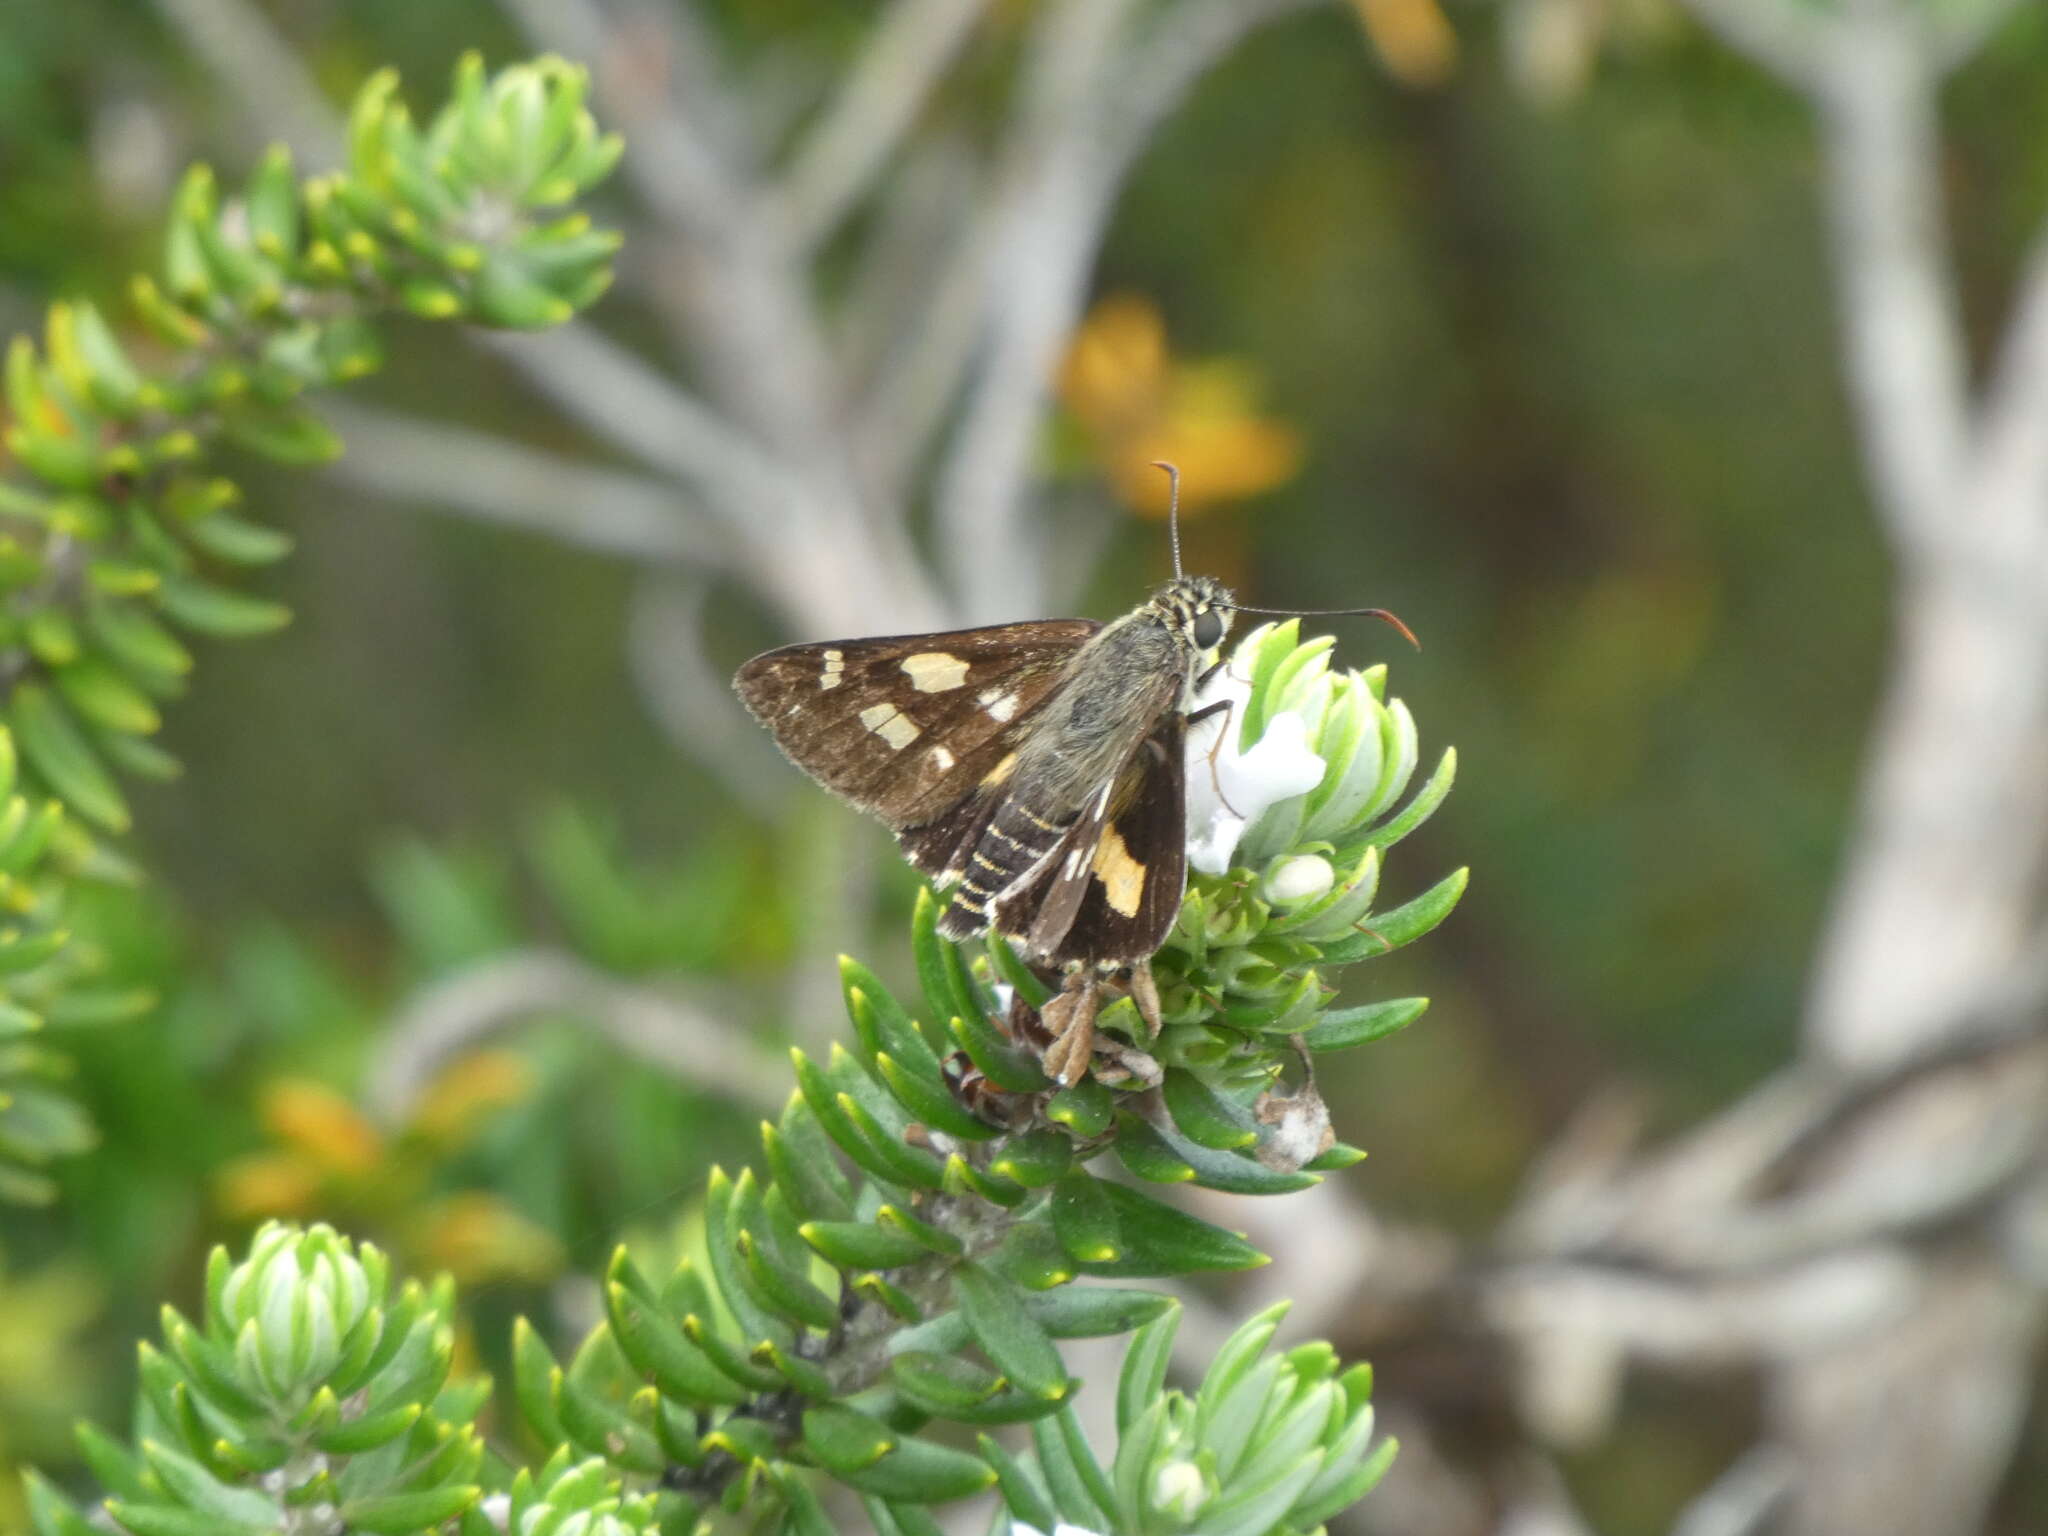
1117	687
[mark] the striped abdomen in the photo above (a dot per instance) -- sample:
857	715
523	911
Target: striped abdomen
1015	838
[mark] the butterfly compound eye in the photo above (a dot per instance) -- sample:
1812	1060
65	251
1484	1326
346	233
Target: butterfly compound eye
1208	629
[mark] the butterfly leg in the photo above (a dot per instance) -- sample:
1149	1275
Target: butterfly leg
1071	1019
1145	993
1225	708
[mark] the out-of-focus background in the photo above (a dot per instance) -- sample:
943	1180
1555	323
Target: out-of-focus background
1678	369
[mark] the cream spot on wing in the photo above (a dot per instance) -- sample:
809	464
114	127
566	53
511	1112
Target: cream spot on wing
1122	877
835	663
1000	703
942	759
934	671
1001	771
891	724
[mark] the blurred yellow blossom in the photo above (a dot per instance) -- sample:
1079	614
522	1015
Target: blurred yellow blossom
1137	405
1412	37
328	1160
466	1091
476	1236
266	1184
318	1122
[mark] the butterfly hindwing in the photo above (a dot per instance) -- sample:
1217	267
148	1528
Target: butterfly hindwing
910	727
1112	887
1066	786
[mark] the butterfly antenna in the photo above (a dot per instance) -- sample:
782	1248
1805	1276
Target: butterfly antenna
1172	508
1381	614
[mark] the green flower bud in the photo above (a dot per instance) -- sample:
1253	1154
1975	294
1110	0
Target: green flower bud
290	1305
568	1499
1270	1442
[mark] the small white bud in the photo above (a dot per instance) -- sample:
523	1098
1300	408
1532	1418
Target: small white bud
1293	880
1178	1490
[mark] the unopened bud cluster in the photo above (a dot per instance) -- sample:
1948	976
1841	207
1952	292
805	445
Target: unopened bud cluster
1294	796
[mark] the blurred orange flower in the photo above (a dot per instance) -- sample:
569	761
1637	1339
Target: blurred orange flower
267	1184
1138	405
467	1090
326	1128
330	1160
1412	37
476	1236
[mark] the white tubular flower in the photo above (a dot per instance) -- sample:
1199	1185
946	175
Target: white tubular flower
1230	785
1020	1528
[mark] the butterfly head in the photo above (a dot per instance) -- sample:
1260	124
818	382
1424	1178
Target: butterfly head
1197	609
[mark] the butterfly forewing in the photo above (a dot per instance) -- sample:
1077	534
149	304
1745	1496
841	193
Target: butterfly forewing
1035	771
908	727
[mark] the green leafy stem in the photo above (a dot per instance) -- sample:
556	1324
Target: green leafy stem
119	539
888	1291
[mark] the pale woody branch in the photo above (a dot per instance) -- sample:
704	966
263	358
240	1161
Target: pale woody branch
469	1007
499	480
1883	1187
1048	223
849	150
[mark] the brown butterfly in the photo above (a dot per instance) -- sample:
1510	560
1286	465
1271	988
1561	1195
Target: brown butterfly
1036	771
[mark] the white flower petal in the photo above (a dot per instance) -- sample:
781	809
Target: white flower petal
1229	788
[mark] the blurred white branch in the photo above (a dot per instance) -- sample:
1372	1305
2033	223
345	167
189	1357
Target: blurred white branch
467	1008
278	95
1169	59
1866	1228
1874	92
2011	468
628	401
1091	95
672	165
849	149
1784	36
495	479
688	698
919	369
1743	1499
1048	213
